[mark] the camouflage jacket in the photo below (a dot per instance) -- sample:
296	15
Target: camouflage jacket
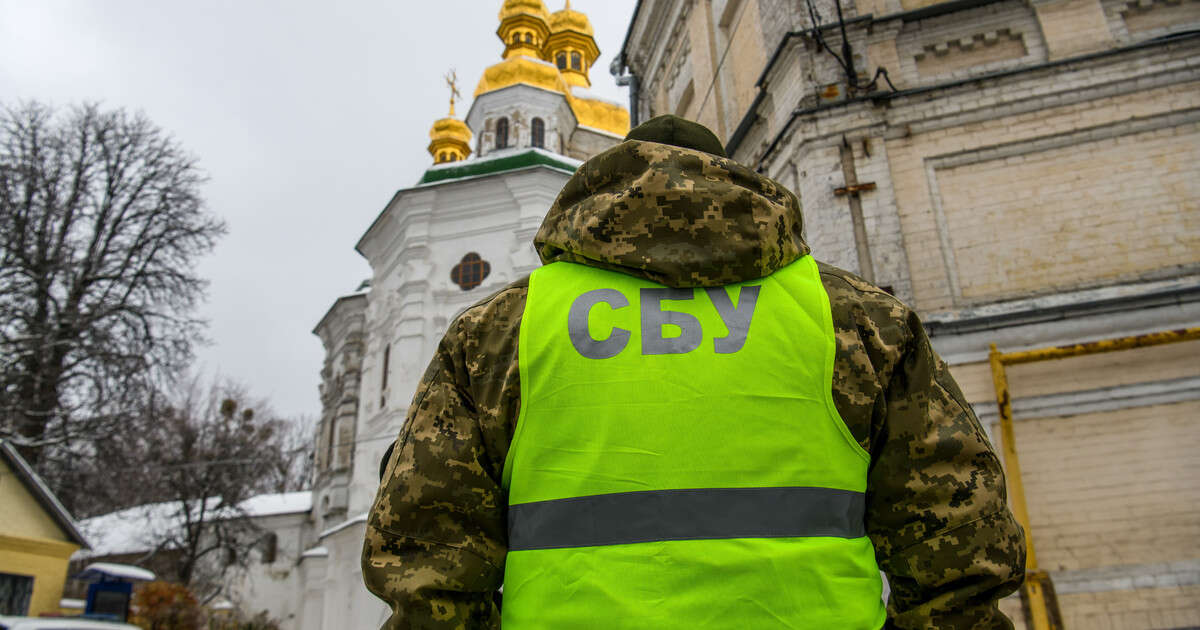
936	508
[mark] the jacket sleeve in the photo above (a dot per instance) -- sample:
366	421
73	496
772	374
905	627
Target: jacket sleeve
936	507
436	537
937	510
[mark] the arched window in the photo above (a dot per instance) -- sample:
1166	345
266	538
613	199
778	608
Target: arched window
576	61
528	38
502	133
516	38
539	133
442	157
561	60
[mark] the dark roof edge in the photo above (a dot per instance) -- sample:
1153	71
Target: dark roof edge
42	493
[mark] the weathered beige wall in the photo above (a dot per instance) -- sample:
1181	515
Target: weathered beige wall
1113	488
744	60
1005	203
1127	367
1160	14
1024	223
1073	27
958	55
1139	609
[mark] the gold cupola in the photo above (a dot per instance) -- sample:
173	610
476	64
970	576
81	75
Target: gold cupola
450	138
523	28
572	45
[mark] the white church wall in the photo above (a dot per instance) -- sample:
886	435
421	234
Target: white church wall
521	104
274	585
425	233
348	604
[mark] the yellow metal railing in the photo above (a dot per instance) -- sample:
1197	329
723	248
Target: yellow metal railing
1037	592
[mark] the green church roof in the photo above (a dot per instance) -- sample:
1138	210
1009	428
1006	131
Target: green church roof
498	164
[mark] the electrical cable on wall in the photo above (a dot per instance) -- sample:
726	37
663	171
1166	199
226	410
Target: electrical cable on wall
846	59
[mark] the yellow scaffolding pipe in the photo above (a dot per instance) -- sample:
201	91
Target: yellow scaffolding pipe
1035	583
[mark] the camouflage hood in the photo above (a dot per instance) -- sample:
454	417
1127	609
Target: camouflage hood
674	215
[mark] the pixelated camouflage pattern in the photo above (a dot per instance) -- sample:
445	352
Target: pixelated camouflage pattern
936	507
676	216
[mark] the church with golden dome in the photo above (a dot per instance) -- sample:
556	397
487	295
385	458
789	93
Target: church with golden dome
538	95
463	231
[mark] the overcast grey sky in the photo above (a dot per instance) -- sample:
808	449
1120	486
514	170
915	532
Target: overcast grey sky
307	116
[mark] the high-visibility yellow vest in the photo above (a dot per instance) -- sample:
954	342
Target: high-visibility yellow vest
679	463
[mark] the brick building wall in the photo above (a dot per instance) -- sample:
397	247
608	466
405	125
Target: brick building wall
1036	181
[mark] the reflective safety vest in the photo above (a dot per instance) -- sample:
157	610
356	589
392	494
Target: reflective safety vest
679	463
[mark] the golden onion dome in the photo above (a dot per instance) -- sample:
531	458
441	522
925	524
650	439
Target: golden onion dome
513	8
520	69
450	129
571	20
449	140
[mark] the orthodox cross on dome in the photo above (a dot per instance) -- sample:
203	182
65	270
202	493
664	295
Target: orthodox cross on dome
452	82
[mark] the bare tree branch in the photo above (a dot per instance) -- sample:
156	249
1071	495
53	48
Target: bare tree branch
101	223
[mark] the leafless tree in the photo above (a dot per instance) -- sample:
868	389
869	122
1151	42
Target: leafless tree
209	449
294	466
101	223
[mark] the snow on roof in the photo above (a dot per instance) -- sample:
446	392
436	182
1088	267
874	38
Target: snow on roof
132	530
142	528
315	552
98	570
541	61
283	503
361	518
582	92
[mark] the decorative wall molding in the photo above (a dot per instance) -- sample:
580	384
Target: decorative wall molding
980	49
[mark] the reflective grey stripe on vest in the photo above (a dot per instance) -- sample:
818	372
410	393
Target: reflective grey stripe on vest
694	514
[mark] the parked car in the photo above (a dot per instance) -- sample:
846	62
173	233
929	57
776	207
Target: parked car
61	623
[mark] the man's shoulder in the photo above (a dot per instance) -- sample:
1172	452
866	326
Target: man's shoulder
849	292
494	317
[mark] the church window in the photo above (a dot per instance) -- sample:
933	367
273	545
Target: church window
561	61
528	38
470	271
502	133
516	38
576	61
270	547
538	130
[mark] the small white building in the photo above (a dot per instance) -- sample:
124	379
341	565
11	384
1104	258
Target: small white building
269	579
